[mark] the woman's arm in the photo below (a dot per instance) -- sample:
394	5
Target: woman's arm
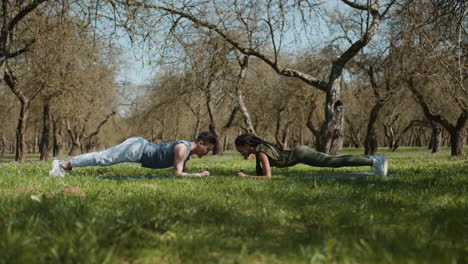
266	169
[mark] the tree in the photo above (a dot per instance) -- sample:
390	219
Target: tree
433	53
249	26
11	46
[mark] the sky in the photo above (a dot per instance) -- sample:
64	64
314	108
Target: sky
138	71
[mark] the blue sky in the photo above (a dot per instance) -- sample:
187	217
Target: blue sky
138	70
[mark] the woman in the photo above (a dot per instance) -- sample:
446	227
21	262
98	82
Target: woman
268	154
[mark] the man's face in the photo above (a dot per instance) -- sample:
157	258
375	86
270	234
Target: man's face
203	149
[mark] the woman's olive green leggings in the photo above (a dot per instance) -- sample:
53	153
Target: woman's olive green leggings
306	155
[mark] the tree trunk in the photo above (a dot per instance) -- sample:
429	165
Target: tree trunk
225	143
371	143
3	146
76	146
197	128
393	140
21	127
240	99
212	126
58	137
311	127
458	138
245	114
281	139
35	144
44	146
21	133
75	139
331	131
436	139
301	136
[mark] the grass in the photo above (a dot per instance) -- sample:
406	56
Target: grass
418	216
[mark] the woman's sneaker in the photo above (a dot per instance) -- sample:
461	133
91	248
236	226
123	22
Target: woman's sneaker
57	170
380	165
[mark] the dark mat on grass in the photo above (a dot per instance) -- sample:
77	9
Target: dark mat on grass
344	176
329	176
132	177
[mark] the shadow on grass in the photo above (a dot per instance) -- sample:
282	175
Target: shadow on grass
133	177
201	226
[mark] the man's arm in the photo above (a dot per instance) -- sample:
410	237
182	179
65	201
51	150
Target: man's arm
180	152
266	168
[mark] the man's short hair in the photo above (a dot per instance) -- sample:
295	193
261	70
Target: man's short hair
207	137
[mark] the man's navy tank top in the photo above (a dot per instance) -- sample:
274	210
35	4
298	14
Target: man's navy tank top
161	155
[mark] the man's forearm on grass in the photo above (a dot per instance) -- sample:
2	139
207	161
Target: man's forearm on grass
186	174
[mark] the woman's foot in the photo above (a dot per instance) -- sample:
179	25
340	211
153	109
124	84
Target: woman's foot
380	165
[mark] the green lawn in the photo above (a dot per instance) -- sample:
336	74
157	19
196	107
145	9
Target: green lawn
418	216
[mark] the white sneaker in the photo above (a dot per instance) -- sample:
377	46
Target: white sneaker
380	165
57	170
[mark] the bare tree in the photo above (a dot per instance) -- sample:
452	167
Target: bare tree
433	53
249	27
14	12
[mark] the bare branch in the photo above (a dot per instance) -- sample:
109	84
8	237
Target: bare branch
23	12
355	5
100	125
288	72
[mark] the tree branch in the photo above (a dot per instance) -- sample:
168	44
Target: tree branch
23	12
20	51
426	109
355	5
288	72
100	125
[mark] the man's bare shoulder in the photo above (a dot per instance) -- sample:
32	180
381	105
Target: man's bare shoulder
180	148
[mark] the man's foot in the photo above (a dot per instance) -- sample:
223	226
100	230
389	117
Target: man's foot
57	170
380	165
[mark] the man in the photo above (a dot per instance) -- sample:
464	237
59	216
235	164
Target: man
150	155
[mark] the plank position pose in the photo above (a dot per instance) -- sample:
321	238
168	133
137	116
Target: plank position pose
150	155
268	154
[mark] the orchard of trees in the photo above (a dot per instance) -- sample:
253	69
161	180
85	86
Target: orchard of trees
330	74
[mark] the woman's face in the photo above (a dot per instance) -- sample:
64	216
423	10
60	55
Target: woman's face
245	150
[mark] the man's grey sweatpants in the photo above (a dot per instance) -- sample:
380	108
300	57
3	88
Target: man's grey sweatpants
130	150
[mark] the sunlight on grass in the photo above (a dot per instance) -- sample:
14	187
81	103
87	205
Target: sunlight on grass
420	215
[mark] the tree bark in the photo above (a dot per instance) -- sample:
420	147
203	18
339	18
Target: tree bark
44	146
197	128
3	145
371	143
240	99
75	138
21	133
311	127
212	127
458	140
436	138
281	138
58	138
331	131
